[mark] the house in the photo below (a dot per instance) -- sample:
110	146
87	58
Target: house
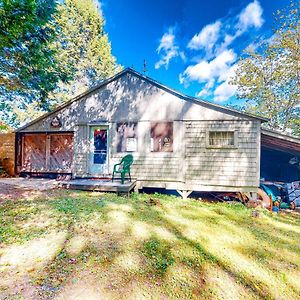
178	142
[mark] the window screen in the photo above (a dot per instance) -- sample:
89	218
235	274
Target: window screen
126	137
162	136
221	138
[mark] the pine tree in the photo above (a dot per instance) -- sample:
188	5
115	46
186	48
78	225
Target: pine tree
83	48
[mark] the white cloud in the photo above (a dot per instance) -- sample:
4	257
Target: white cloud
224	91
206	38
216	71
228	39
206	90
217	63
251	16
168	49
206	70
167	40
230	72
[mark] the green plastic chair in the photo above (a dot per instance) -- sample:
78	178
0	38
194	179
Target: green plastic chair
123	167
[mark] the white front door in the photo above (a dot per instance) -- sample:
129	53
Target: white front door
98	150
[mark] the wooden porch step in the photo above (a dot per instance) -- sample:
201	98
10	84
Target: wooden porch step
101	185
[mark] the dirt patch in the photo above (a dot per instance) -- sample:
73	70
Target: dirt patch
24	189
11	192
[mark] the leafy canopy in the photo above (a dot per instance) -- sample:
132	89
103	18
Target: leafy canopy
83	47
49	52
269	76
27	64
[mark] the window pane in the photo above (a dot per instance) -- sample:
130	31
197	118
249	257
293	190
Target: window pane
162	136
99	158
126	137
221	138
100	146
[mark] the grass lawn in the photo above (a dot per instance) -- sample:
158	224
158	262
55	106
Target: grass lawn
80	245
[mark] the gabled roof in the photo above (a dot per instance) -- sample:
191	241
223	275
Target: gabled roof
156	83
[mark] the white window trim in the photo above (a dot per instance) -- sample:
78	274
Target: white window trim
235	137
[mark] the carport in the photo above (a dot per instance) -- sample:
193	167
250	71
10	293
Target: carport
280	157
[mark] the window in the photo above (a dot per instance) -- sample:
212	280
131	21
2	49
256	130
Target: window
126	137
221	139
162	137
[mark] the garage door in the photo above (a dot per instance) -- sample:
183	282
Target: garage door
47	152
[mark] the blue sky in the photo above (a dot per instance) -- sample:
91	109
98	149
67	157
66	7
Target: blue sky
191	46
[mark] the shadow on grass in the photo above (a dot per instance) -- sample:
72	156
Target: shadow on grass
105	222
262	231
208	257
258	287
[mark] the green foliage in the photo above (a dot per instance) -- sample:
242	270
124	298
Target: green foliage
4	127
28	112
49	52
83	48
28	67
27	63
269	76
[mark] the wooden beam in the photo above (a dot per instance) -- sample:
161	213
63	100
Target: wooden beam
280	144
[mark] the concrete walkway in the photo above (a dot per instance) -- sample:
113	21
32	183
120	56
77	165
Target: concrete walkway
39	184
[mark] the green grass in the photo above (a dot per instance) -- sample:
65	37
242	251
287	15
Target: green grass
80	245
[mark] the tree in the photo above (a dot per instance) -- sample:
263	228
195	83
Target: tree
83	47
4	127
295	121
27	62
49	52
269	76
28	68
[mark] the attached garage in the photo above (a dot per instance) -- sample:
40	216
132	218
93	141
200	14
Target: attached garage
45	153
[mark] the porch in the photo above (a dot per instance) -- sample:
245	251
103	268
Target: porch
99	185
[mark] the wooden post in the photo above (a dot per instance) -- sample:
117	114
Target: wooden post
137	187
184	193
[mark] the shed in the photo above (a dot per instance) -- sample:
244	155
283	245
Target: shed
177	141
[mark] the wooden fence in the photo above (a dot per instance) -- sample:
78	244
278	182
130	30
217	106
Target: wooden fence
7	152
